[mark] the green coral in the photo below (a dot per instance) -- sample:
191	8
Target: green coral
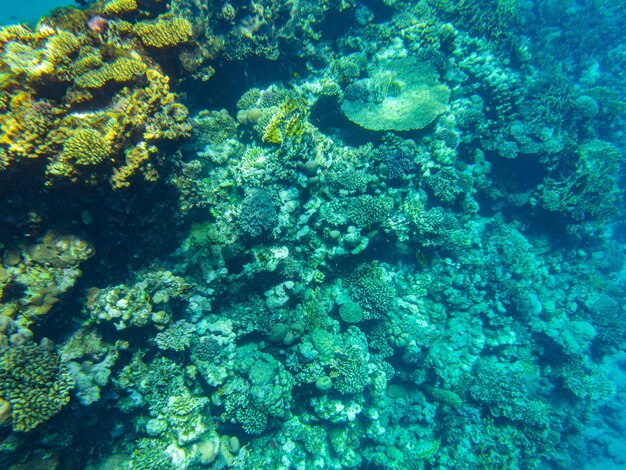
590	190
368	211
349	369
151	454
177	337
504	389
351	312
368	286
588	381
267	386
35	383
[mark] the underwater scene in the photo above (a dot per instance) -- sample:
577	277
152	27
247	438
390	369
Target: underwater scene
312	234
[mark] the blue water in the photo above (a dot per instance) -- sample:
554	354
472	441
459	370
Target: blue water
28	12
266	235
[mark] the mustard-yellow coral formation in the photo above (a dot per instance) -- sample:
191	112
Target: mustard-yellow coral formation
119	7
114	75
25	60
164	33
35	384
62	47
86	147
23	127
122	70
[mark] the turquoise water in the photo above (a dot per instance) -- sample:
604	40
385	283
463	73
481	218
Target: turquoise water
28	12
313	234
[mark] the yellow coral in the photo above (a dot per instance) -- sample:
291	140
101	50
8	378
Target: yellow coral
89	59
23	128
119	7
15	32
126	69
164	33
35	383
123	70
23	59
137	157
286	121
62	47
86	147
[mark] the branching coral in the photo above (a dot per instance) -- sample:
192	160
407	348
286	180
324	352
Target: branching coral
589	191
35	383
164	33
258	213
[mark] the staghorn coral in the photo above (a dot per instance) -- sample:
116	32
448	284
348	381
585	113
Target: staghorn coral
35	383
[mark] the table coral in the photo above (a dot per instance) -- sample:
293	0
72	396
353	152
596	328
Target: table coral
400	95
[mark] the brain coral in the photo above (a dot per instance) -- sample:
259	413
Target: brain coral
399	95
35	383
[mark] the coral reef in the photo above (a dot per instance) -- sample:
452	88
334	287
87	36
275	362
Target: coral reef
317	234
36	275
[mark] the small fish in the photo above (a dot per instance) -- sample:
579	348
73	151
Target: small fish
82	3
